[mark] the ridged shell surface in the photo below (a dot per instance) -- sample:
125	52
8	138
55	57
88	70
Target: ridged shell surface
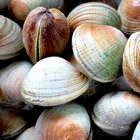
53	81
68	121
93	12
98	49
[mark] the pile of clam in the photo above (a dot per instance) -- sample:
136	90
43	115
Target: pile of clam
69	70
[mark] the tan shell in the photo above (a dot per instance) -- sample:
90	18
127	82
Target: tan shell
98	49
65	122
10	38
115	112
53	81
93	12
131	63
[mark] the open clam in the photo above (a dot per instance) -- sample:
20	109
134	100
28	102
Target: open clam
53	81
65	122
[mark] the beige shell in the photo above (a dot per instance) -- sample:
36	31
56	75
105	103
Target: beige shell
53	81
93	12
129	10
136	133
131	63
66	122
115	112
11	78
98	49
10	38
21	8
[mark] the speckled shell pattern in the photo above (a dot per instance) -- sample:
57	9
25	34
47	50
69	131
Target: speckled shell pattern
53	81
98	49
93	12
115	112
70	121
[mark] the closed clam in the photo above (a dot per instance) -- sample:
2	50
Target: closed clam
53	81
136	133
131	63
98	49
129	10
93	12
10	38
21	8
11	78
65	122
45	33
115	112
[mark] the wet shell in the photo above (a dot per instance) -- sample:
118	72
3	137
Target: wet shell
28	134
53	81
66	122
10	38
93	12
136	134
45	33
115	112
11	78
21	8
131	63
98	49
129	10
12	123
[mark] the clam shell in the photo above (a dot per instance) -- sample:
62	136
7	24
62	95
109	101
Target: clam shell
115	112
93	12
53	81
129	10
98	49
136	133
131	63
10	38
21	8
69	121
45	33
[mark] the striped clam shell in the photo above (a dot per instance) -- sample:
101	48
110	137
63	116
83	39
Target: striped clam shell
53	81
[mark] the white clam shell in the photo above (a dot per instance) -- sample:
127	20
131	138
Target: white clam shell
53	81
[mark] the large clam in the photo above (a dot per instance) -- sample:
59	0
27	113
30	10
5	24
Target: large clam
131	63
45	33
98	49
115	112
129	10
10	38
21	8
53	81
93	12
66	122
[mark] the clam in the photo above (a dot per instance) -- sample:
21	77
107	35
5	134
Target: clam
136	133
11	78
65	122
21	8
131	63
3	4
45	33
93	12
12	123
10	38
115	112
28	134
129	10
98	49
53	81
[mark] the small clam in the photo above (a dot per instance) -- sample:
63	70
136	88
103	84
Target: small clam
21	8
93	12
66	122
129	10
11	78
45	33
115	112
131	63
136	133
28	134
98	49
53	81
10	38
